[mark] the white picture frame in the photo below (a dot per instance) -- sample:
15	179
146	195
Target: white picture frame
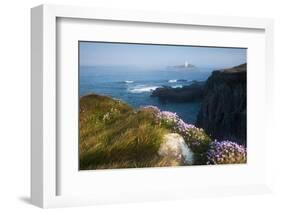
44	154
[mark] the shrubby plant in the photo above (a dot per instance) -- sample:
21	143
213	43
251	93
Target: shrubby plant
152	108
194	137
168	119
226	152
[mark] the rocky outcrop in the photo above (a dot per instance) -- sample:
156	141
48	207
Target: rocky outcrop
193	92
223	110
176	150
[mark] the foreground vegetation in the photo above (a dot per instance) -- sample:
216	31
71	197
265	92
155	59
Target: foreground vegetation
113	135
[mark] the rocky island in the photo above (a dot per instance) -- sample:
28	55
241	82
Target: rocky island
185	66
190	93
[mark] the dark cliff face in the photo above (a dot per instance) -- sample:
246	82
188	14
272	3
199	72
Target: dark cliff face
223	111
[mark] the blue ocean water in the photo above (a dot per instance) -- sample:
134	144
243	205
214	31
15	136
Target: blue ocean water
134	85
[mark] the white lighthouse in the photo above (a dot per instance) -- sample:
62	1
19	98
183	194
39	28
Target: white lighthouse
186	64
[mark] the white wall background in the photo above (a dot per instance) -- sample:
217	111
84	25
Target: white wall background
15	104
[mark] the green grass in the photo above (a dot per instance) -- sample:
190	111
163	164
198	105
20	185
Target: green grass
113	135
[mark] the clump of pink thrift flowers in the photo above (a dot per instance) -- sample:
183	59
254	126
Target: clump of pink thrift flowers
151	107
207	152
194	137
226	152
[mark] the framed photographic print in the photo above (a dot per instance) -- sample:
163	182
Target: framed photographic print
145	105
130	106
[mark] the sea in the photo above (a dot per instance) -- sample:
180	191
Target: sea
134	85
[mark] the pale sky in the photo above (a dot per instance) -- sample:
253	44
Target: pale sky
140	55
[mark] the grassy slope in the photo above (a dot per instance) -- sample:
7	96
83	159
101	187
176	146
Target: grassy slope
113	135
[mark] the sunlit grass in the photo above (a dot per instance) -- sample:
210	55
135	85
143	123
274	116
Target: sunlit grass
113	135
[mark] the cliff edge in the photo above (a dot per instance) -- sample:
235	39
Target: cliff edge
223	110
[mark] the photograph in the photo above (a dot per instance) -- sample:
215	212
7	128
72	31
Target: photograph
161	105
